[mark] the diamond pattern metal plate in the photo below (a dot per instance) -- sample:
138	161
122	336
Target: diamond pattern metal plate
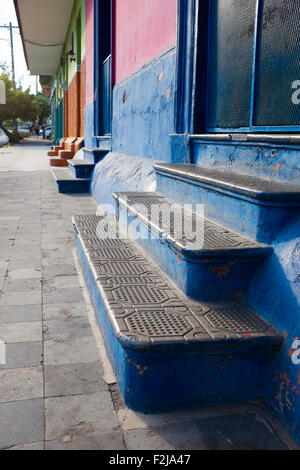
258	187
185	228
146	308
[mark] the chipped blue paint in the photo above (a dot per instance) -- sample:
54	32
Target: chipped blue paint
143	110
89	134
278	162
117	172
278	299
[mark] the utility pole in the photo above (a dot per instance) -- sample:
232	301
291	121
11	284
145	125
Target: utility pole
12	56
10	27
13	69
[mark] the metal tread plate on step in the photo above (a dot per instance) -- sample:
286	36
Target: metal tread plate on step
147	310
188	231
253	186
96	227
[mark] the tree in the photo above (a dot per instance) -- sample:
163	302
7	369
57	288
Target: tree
42	107
22	104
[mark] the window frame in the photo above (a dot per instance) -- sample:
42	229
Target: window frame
192	74
99	125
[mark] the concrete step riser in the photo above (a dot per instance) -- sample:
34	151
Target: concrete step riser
68	187
261	221
66	183
95	156
204	279
58	162
81	171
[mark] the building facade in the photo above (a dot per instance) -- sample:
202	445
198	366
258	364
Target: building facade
213	84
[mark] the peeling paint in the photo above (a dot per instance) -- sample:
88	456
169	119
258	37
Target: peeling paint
141	369
178	260
221	270
276	168
285	398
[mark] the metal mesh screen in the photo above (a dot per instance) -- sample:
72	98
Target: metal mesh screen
230	63
278	63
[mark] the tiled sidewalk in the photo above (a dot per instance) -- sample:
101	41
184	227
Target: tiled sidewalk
56	389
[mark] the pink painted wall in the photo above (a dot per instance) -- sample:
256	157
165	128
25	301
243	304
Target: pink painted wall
89	49
143	29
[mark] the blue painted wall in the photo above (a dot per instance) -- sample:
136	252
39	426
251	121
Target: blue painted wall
275	290
275	293
279	162
118	172
143	110
89	138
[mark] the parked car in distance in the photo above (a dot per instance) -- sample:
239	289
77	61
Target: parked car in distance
48	131
3	138
24	130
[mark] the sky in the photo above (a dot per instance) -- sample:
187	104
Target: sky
7	14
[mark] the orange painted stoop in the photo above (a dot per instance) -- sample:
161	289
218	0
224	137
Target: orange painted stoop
56	148
71	145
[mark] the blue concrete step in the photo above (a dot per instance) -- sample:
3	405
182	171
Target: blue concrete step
205	260
81	168
257	207
94	155
167	350
67	183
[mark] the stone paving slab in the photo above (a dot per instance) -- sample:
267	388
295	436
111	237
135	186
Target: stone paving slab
21	332
56	253
179	436
107	441
82	414
81	350
67	329
21	384
62	310
61	282
19	355
21	421
66	269
20	313
238	432
25	263
55	295
74	379
29	447
232	432
25	273
21	298
23	285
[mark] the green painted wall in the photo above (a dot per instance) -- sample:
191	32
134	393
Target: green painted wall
66	72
